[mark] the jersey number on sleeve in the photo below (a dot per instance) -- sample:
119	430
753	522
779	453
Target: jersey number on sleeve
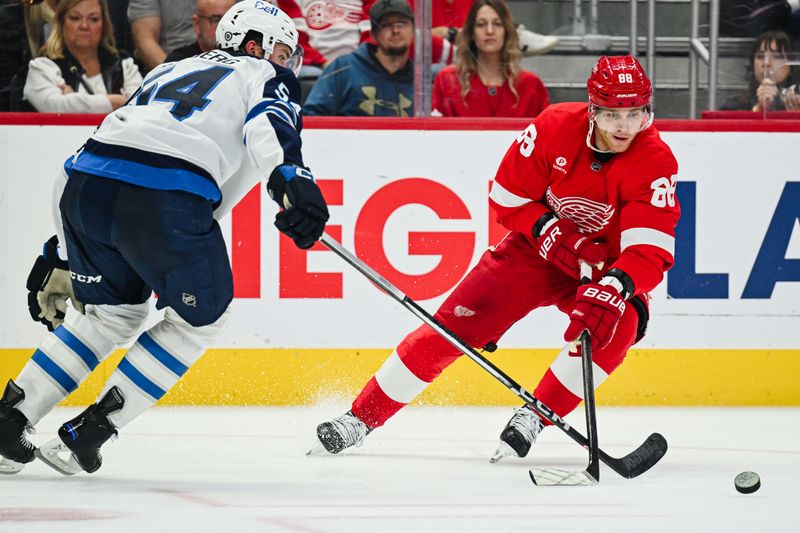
526	140
663	192
188	93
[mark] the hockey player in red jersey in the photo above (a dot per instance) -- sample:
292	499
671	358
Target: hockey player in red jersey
593	184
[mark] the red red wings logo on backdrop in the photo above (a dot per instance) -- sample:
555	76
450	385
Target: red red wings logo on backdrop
588	215
324	13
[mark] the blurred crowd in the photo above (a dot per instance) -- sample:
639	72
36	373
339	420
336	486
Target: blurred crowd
89	56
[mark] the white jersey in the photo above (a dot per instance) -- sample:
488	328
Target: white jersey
193	123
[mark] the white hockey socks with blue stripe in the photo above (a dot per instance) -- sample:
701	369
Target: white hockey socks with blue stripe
159	358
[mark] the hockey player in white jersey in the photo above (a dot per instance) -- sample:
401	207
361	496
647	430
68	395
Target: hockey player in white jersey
138	216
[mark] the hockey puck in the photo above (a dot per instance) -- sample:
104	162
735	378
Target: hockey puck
747	482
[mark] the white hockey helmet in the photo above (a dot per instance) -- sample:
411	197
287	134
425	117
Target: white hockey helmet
274	25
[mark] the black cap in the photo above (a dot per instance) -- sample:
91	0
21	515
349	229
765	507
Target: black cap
381	8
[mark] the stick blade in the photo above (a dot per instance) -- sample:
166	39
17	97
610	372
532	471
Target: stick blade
552	477
642	458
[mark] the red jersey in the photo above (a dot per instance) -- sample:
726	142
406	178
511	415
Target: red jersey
482	101
450	13
333	27
628	203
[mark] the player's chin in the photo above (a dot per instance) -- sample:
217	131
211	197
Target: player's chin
620	143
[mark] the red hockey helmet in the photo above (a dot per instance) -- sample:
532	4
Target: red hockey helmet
619	81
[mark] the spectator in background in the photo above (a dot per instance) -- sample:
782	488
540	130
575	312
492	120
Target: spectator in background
334	27
486	80
159	27
14	53
751	18
81	71
375	80
207	14
773	82
118	13
337	27
312	59
39	17
447	21
449	18
39	23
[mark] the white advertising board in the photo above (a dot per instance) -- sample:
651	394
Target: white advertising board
413	204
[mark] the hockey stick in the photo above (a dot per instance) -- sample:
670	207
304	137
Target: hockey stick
632	465
590	476
593	469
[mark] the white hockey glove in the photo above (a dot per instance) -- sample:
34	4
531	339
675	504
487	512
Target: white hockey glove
49	286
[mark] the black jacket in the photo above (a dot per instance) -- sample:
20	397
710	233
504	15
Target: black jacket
110	68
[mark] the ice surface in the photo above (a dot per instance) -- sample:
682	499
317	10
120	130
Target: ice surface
245	469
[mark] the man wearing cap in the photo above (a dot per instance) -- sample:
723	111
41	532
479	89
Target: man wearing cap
376	79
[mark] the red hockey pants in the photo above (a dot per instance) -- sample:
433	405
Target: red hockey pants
506	284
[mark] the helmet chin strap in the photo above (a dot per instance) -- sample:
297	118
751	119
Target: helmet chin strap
589	140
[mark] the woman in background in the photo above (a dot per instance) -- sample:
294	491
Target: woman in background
773	81
39	19
486	79
81	70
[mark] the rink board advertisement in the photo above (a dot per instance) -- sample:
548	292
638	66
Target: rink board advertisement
412	203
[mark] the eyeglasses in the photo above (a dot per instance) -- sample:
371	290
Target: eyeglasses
213	19
397	25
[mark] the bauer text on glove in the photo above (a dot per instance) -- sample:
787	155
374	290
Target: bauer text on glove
598	309
559	241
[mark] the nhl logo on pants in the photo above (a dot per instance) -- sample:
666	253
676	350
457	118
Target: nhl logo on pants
189	299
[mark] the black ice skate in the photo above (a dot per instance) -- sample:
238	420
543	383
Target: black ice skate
341	433
519	434
15	448
81	438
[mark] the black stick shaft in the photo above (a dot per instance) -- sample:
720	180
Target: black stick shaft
589	406
593	469
469	351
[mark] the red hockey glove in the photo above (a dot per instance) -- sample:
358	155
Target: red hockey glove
598	309
561	244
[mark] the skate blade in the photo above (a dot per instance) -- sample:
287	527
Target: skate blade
318	449
51	454
9	467
503	450
550	477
